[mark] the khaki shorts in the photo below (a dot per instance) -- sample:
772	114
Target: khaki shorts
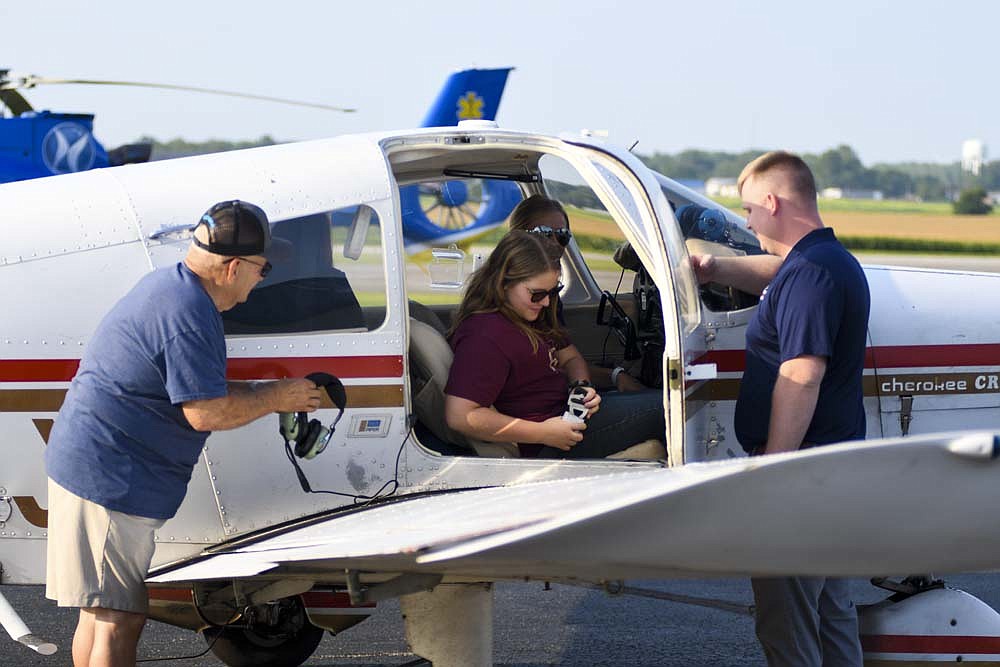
97	557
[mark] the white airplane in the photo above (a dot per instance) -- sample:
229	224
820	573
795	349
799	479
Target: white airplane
262	566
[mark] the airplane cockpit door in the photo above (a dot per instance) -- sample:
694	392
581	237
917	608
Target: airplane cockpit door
630	191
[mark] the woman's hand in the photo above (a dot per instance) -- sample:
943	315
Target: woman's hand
628	383
592	401
561	434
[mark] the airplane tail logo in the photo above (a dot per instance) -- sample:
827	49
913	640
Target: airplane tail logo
470	106
468	94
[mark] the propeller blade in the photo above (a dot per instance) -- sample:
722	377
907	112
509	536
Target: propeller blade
30	81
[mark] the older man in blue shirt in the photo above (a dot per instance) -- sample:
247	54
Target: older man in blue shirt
150	388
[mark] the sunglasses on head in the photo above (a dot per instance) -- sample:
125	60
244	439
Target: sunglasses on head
539	295
561	236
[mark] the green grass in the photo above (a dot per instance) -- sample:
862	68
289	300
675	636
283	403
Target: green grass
925	246
428	297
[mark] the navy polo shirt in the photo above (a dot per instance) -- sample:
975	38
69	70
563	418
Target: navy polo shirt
817	304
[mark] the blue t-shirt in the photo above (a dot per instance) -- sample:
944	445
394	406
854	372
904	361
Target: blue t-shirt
121	439
818	305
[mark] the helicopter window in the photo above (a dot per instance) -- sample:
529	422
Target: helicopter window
332	278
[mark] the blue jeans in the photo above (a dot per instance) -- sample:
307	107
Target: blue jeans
624	419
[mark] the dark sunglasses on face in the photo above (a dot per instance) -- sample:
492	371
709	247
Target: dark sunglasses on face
561	236
265	268
539	295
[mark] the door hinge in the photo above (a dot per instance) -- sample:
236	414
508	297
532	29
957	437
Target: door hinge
905	414
674	367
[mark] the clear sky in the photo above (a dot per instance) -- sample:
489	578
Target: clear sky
898	81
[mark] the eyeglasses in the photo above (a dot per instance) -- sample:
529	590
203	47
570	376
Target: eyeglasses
265	268
560	236
539	295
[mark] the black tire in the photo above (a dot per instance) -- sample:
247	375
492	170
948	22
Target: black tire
287	646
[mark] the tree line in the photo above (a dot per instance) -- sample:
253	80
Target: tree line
839	167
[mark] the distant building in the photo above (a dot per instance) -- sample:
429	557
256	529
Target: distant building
721	187
847	193
973	156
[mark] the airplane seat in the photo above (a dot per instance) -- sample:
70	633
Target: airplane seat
424	314
430	362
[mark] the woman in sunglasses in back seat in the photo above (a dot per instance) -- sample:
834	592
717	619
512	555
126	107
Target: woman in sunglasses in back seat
540	215
515	365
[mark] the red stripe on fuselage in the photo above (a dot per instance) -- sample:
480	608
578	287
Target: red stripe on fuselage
275	368
957	644
728	361
894	356
245	368
38	370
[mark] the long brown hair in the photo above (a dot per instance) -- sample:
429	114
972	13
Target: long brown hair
519	256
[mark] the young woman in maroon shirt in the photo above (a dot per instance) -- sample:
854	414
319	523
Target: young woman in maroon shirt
514	364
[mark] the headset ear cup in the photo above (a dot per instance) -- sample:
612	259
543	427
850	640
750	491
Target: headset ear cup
309	434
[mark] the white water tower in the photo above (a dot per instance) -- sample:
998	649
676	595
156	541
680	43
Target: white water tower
973	156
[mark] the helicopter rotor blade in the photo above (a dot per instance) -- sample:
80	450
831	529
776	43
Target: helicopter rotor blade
14	101
30	81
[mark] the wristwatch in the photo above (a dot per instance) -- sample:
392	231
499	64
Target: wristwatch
618	370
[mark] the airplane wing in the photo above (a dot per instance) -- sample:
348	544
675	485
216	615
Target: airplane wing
854	509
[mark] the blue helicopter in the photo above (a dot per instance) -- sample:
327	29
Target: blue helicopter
35	144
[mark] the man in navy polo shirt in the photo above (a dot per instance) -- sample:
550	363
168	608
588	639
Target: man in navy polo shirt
150	388
802	384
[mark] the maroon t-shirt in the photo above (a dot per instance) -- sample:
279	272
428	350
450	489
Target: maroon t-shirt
495	365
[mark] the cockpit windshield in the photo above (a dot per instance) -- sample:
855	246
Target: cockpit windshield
710	229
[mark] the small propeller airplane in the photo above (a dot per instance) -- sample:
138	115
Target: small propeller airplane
263	567
34	144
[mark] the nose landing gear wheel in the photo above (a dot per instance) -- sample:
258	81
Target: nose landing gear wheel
275	635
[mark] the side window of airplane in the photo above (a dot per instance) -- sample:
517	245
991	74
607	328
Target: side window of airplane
334	280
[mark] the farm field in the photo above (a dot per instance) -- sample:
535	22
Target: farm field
947	227
931	221
898	220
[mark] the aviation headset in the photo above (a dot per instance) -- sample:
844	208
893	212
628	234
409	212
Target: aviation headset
310	436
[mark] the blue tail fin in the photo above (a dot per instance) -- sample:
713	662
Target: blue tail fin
468	94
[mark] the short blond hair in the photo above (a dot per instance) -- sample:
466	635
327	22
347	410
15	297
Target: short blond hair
800	176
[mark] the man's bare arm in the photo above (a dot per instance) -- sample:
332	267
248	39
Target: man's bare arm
793	402
245	402
750	274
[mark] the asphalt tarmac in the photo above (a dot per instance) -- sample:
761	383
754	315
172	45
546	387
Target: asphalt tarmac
533	627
